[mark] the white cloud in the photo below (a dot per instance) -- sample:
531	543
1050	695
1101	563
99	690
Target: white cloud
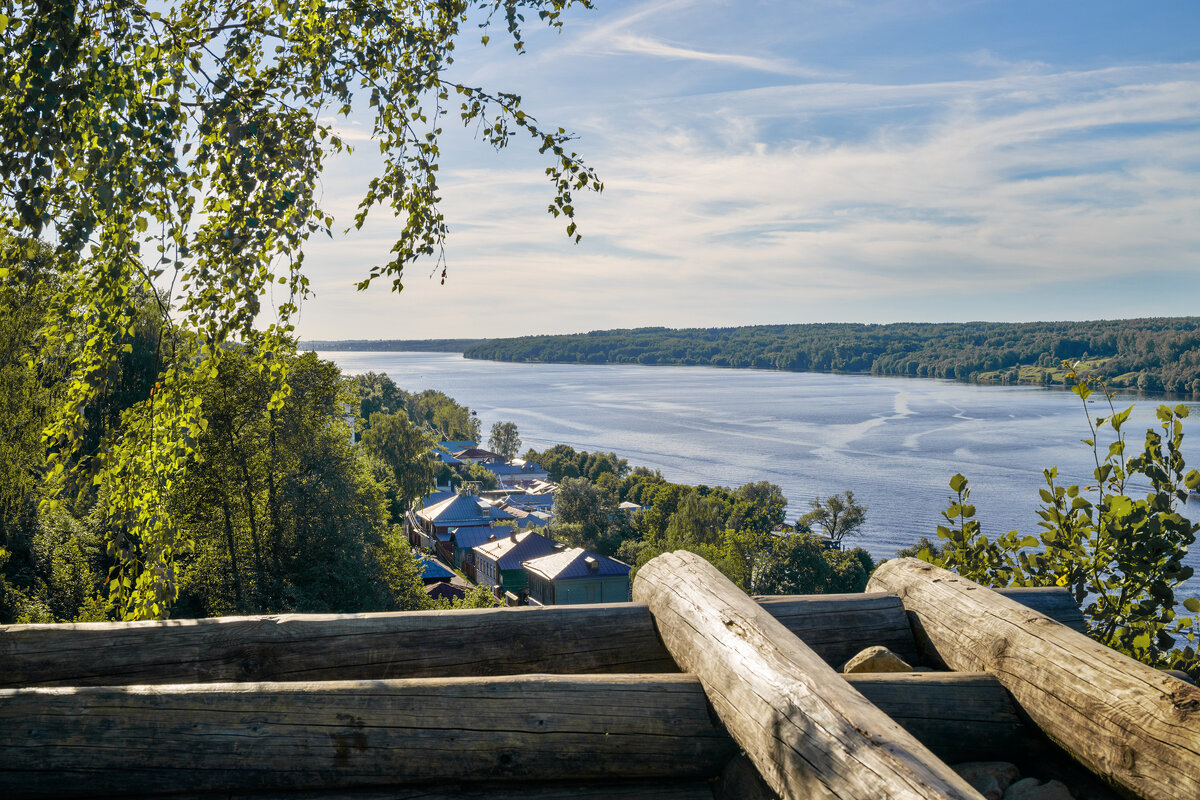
820	200
647	46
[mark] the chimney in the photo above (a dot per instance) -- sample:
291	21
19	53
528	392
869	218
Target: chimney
513	535
592	564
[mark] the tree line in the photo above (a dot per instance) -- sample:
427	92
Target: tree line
1153	354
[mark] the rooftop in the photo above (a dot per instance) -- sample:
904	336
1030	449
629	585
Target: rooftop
576	563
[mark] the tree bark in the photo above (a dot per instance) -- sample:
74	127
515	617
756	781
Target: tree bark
809	733
1128	723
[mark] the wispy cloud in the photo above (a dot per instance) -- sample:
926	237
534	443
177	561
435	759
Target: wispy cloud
647	46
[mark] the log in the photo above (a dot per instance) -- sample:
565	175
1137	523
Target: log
838	626
616	638
592	639
1128	723
808	732
959	716
1054	602
136	740
451	790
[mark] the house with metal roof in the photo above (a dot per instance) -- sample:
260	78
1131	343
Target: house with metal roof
575	576
463	541
458	511
477	455
498	563
517	474
432	570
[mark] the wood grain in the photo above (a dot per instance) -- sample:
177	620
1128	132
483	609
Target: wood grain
1128	723
807	731
74	742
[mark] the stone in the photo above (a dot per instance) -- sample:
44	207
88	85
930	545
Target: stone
1031	789
877	659
990	778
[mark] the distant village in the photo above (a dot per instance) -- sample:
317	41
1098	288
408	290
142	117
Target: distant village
491	537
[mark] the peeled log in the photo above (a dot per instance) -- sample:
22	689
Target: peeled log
1128	723
137	740
959	716
808	732
590	639
577	640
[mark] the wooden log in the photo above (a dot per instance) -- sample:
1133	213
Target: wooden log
1054	602
959	716
592	639
809	733
453	790
838	626
1130	724
616	638
137	740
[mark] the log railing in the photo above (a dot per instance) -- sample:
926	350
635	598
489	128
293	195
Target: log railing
319	704
605	638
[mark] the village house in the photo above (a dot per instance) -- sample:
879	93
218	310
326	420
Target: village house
573	576
432	524
498	563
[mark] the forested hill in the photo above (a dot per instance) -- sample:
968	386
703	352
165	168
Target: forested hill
1155	354
392	345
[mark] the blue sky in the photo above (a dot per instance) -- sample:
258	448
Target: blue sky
795	161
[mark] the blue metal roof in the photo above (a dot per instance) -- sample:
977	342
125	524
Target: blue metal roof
430	568
466	538
573	563
509	552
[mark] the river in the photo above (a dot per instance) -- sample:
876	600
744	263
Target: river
894	441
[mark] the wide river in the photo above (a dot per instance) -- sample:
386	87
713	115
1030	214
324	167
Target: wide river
894	441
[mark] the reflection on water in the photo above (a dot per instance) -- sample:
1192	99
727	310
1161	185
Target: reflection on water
894	441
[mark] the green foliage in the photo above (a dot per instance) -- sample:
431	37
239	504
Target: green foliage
476	597
407	452
504	440
1120	555
586	515
442	416
182	144
837	517
562	461
285	514
480	475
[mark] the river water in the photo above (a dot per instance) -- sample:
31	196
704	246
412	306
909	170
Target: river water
894	441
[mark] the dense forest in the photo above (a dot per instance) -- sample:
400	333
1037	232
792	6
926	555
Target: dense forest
392	345
276	509
1149	354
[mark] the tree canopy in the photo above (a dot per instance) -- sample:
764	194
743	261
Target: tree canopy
173	151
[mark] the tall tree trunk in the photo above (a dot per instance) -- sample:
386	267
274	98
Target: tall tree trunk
248	494
238	591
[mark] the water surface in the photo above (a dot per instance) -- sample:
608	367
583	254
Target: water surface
894	441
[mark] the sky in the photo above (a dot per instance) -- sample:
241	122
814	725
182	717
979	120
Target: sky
792	161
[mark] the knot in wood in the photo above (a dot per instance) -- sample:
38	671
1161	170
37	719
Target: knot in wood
996	651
